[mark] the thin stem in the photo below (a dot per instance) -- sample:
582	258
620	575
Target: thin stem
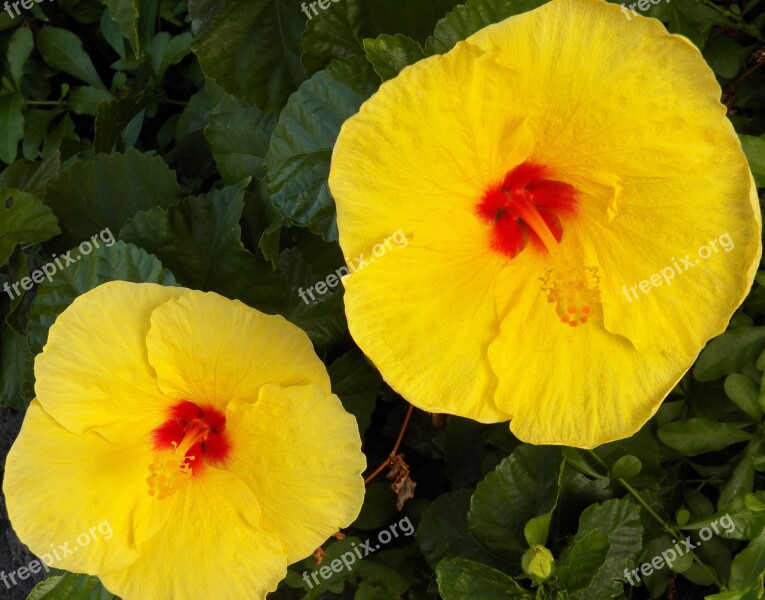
44	102
393	452
667	526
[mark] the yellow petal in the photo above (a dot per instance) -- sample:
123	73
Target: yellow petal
210	350
300	453
211	544
94	373
61	487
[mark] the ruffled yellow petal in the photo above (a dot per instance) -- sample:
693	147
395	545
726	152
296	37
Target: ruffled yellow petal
210	350
210	546
300	454
60	487
425	314
94	373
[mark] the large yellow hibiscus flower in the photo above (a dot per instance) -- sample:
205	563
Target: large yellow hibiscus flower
203	432
580	215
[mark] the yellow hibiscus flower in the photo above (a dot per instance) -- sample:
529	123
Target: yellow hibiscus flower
202	432
580	215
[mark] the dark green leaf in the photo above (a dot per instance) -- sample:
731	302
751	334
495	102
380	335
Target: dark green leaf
16	374
252	49
740	389
11	126
414	19
754	148
699	435
301	146
23	219
357	383
20	46
389	54
136	20
71	586
748	566
512	506
335	33
106	191
459	579
63	50
729	352
581	561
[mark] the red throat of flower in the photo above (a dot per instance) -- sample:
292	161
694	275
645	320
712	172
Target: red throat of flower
191	437
526	207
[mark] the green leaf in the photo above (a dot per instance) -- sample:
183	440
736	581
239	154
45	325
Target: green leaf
443	531
239	134
754	148
699	435
581	561
523	488
200	241
389	54
87	99
112	118
20	46
71	586
63	50
379	506
725	56
741	480
23	219
167	50
740	389
619	521
11	126
136	20
252	49
626	467
301	146
118	262
459	579
106	191
465	20
749	565
16	370
335	33
729	352
357	384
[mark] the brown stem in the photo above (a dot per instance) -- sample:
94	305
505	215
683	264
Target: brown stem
393	452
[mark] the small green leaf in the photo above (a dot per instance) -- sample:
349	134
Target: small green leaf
118	262
357	384
389	54
626	467
87	99
301	146
11	126
112	117
699	435
729	352
20	46
23	219
459	579
136	19
63	50
71	586
16	372
749	565
740	389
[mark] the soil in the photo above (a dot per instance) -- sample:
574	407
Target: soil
13	554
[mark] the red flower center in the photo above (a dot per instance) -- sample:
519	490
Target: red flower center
526	207
197	433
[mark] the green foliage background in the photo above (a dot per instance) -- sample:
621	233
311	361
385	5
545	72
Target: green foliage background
200	133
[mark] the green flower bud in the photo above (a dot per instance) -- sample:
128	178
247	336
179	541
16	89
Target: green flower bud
537	562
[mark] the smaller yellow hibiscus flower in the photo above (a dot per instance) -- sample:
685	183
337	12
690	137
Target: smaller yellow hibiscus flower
203	431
